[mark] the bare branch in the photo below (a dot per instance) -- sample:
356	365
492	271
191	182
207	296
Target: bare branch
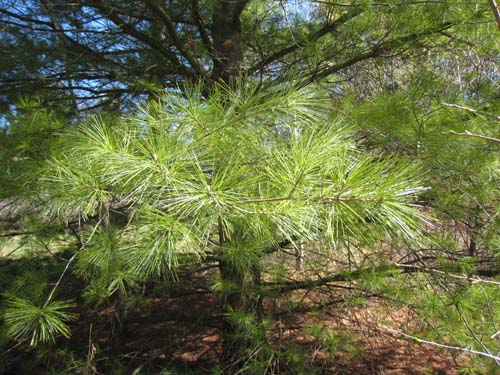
49	298
132	31
473	110
440	345
160	11
328	28
14	234
496	11
472	135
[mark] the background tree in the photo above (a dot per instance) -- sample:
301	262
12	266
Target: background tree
87	54
443	113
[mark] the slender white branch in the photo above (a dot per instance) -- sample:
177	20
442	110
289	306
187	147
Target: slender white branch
496	11
461	277
60	279
473	110
440	345
473	135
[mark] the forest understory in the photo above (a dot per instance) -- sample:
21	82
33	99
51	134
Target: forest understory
176	327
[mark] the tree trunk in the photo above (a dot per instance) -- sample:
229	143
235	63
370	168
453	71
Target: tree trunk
472	247
474	231
227	60
227	40
236	341
299	257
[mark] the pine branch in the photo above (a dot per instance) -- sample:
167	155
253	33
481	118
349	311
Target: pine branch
347	276
207	42
127	28
338	198
284	287
172	32
467	278
25	19
473	110
376	51
440	345
472	135
326	29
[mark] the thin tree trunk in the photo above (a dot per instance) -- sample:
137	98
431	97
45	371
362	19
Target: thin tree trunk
227	57
299	257
227	40
474	230
239	299
472	247
235	341
227	60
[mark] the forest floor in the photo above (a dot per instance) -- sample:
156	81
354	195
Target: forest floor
184	333
178	327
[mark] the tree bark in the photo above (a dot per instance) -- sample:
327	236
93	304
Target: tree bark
227	41
227	59
235	341
239	300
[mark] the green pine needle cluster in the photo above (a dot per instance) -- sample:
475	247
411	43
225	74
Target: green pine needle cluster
263	166
37	324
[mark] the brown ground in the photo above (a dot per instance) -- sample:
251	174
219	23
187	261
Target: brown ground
184	333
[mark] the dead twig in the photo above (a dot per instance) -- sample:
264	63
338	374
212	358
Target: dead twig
473	110
473	135
441	345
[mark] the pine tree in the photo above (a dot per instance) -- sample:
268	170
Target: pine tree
231	178
230	174
444	113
